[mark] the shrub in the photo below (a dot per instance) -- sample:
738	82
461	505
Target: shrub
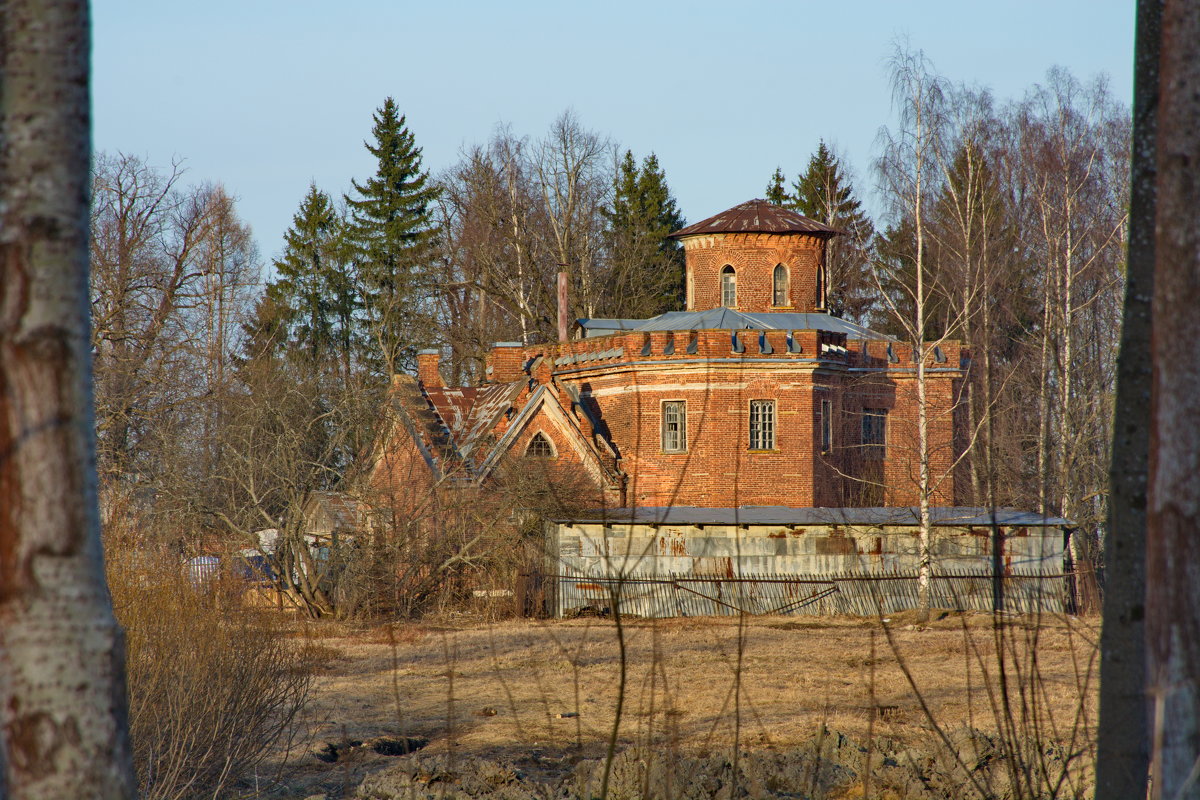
214	686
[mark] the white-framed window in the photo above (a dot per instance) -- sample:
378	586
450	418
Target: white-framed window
728	287
539	446
874	432
762	424
779	284
826	426
674	426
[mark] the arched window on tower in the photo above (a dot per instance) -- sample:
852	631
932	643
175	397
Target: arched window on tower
539	447
779	282
728	287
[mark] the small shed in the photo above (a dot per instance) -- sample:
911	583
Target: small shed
671	561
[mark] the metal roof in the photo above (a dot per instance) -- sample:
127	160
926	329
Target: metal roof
945	516
728	319
756	216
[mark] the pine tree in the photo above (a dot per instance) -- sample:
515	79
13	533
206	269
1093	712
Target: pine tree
823	193
646	268
393	234
777	190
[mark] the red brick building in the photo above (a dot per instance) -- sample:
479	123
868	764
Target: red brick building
753	396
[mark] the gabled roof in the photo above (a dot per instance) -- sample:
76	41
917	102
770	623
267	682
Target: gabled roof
756	216
544	400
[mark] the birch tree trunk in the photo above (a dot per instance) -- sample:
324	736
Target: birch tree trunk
1173	546
63	727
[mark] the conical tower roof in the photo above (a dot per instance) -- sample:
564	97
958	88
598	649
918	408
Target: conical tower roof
756	216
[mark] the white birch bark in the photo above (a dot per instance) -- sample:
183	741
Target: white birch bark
63	730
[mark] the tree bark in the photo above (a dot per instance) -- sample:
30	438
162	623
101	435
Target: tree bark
1123	747
1173	547
63	727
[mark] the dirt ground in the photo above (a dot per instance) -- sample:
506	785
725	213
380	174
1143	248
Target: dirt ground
542	694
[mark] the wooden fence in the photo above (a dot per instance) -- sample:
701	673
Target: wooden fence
858	594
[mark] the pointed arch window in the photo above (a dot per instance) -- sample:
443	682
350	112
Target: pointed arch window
728	287
779	283
539	447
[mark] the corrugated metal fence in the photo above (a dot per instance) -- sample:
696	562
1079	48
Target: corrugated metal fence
864	595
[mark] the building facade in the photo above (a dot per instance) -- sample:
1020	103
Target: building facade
753	395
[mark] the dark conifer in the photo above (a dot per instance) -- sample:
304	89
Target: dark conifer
777	190
823	193
646	276
393	234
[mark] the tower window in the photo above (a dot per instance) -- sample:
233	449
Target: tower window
779	282
674	426
762	424
539	447
728	287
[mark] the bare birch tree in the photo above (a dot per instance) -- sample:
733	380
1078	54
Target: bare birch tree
63	711
907	171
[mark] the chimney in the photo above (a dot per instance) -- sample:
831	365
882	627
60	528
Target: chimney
562	306
506	362
427	369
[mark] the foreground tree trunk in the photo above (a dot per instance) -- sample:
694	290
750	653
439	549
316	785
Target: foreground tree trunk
63	729
1173	546
1123	746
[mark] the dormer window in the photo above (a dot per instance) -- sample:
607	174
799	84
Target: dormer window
779	282
728	287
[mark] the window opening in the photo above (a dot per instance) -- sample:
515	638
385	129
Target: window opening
762	424
874	431
539	447
674	426
728	287
826	427
780	282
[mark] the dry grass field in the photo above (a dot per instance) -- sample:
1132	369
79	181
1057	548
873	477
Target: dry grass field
543	694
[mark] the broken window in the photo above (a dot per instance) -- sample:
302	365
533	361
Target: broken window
674	426
728	287
539	447
762	424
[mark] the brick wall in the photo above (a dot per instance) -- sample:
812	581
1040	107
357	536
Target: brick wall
754	257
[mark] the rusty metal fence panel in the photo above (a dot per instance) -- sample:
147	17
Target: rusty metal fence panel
759	594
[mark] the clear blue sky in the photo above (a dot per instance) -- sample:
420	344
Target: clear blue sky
265	96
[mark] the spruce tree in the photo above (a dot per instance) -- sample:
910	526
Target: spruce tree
823	192
777	190
645	277
393	234
313	298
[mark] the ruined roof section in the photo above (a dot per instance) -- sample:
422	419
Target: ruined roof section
491	402
756	216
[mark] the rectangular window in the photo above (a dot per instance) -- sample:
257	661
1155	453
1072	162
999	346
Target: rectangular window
874	431
826	427
762	424
674	426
